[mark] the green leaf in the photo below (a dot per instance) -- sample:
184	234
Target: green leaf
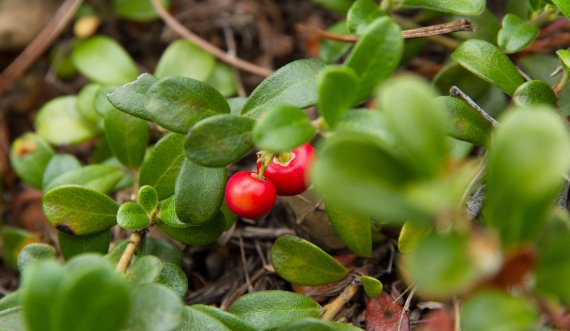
195	320
197	235
331	51
77	210
10	300
161	168
490	63
465	7
146	269
97	177
415	119
464	123
535	93
361	14
86	102
130	98
368	121
312	324
71	245
236	104
340	6
336	92
410	235
58	165
174	278
267	310
137	10
13	241
527	162
35	251
299	261
372	286
184	58
127	137
501	312
223	79
293	84
177	103
29	157
229	320
376	55
167	214
154	308
199	192
102	60
162	249
148	198
564	56
102	103
516	34
60	123
219	140
354	230
132	216
564	6
282	129
552	266
13	319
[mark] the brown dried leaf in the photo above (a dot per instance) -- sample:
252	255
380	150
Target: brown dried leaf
437	320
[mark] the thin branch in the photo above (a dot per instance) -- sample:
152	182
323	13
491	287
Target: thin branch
333	308
455	91
129	251
39	45
406	307
206	46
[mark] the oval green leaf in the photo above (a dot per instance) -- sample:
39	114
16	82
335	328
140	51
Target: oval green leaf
167	214
282	129
184	58
35	251
137	10
535	93
564	6
145	270
71	245
127	137
223	79
29	157
230	320
354	230
161	313
516	34
197	235
372	286
336	92
57	166
331	51
174	278
464	7
130	97
464	123
132	216
148	198
361	14
97	177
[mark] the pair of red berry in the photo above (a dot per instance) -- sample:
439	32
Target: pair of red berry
250	195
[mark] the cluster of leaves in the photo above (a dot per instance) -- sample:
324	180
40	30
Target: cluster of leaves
402	161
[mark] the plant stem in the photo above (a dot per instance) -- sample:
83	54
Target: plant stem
266	160
563	82
129	251
332	309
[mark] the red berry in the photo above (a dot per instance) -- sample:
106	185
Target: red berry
291	177
249	196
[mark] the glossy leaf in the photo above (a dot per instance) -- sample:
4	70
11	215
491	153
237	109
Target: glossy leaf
313	324
77	210
230	320
464	123
58	165
136	10
354	230
410	235
35	251
145	269
161	168
465	7
219	140
148	198
184	58
535	93
97	177
372	286
162	313
130	98
132	216
361	14
336	92
197	235
516	33
86	102
490	63
267	310
177	103
299	261
199	192
223	79
376	55
331	51
282	129
168	216
293	84
127	137
60	123
564	6
174	278
103	60
71	245
29	157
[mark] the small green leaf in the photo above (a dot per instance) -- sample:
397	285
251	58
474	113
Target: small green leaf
535	93
29	157
86	102
103	60
35	251
58	165
464	123
361	14
236	104
219	140
168	216
282	129
376	55
229	320
161	168
97	177
199	192
195	320
490	63
148	198
372	286
299	261
368	121
501	312
71	245
464	7
354	230
77	210
340	6
184	58
146	269
197	235
564	56
137	10
132	216
177	103
154	308
410	235
564	6
10	300
293	84
102	103
336	92
60	123
14	240
130	97
331	51
223	79
174	278
127	136
313	324
516	34
13	319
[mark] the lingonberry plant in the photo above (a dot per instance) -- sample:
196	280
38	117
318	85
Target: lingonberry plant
470	169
